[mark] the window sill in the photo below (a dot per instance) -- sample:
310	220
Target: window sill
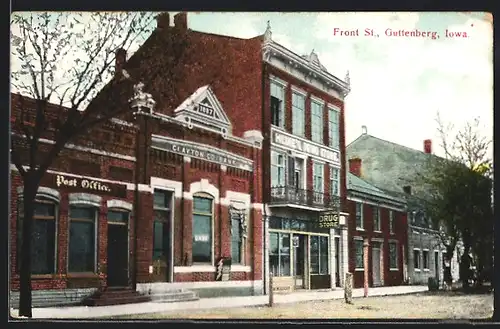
241	268
426	270
82	275
194	268
394	269
359	270
417	270
377	231
360	229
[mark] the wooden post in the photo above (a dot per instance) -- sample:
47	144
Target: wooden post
365	265
271	290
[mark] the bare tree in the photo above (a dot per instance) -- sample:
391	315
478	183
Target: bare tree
66	59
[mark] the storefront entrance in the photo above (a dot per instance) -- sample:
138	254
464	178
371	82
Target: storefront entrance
117	267
299	255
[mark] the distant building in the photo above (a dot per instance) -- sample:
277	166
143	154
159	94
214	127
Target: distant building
380	219
393	168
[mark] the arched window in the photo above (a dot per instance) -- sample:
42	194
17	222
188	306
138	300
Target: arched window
82	239
202	229
43	243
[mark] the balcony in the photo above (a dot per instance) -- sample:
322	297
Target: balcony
292	196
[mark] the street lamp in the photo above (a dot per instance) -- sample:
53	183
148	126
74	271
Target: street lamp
142	104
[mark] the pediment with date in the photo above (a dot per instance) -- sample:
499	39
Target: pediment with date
203	109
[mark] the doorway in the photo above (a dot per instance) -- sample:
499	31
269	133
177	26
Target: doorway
436	264
299	255
117	249
337	261
376	264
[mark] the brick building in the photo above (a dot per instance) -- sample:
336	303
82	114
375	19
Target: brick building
379	219
304	143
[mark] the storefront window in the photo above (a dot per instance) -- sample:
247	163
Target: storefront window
43	243
82	239
162	205
319	254
279	254
202	230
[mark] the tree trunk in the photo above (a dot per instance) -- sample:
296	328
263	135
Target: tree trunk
29	195
465	273
447	277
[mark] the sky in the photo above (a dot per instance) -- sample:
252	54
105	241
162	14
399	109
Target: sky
398	83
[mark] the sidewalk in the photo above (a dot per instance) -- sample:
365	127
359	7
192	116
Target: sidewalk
80	312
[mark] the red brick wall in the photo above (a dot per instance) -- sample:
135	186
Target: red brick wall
390	278
311	91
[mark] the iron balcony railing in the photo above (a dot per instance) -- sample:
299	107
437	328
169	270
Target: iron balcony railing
298	196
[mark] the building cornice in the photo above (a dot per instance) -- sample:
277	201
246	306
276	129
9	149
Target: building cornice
273	49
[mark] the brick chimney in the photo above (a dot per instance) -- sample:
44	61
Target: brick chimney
163	21
120	59
428	146
355	166
180	21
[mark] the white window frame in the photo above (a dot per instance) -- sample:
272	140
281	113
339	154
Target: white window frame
205	195
333	142
424	265
282	86
362	228
321	123
317	163
332	169
295	111
419	259
239	204
284	166
397	255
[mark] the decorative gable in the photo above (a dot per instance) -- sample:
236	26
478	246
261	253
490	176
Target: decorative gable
202	109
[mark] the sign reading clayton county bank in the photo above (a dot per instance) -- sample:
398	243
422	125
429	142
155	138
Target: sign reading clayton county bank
304	146
203	152
80	184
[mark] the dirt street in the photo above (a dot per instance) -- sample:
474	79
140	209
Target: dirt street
416	306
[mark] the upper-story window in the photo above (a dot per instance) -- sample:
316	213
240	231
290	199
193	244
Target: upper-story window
376	219
318	177
277	169
298	114
316	122
277	104
333	128
334	181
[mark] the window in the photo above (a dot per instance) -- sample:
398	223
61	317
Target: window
237	215
334	181
277	109
161	224
359	215
298	178
298	114
316	122
318	181
425	256
376	219
416	259
319	255
392	223
82	239
279	254
359	254
202	230
333	128
43	242
277	169
393	255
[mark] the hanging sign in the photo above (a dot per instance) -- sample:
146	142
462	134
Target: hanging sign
328	219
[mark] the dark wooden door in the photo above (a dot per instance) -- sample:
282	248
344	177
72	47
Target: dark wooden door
117	255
